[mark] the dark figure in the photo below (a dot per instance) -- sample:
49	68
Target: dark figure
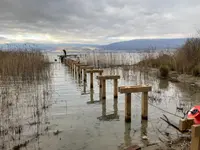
62	58
65	54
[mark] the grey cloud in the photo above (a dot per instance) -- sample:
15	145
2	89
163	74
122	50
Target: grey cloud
98	20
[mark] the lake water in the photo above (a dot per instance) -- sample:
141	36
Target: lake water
58	115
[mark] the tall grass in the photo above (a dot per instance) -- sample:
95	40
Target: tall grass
110	59
184	60
23	107
23	65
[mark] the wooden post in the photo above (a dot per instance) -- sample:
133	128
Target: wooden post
195	143
100	87
92	71
127	90
92	96
103	108
185	124
145	106
91	80
85	76
79	72
115	107
84	87
115	88
128	107
103	89
75	69
85	72
72	67
127	136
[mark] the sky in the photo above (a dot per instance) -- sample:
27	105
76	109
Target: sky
96	21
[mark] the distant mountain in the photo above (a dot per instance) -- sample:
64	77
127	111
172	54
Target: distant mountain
48	46
132	45
145	44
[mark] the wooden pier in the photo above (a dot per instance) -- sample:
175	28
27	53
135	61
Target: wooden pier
77	67
127	90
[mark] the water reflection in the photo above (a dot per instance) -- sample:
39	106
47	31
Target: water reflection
24	113
143	131
92	101
79	82
127	137
109	117
84	90
163	84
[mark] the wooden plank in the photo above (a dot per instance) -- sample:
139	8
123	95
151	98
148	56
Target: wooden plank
94	70
134	89
195	143
86	67
106	77
196	131
74	62
80	64
185	124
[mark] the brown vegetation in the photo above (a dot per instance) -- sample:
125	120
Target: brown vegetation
23	65
184	60
109	59
29	102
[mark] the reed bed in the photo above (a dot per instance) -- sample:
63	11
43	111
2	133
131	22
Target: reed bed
25	97
185	60
23	65
110	59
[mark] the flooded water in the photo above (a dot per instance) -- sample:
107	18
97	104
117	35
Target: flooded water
62	114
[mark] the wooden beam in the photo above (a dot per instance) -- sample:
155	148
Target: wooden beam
94	70
195	143
185	124
107	77
86	67
144	106
80	64
134	89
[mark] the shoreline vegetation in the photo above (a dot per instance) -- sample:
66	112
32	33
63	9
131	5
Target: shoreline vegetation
23	65
24	78
183	65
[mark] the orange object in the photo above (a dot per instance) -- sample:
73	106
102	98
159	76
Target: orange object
194	113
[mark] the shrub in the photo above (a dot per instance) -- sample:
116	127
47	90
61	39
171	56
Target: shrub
196	71
164	71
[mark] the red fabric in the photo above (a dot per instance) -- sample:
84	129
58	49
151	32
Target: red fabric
195	116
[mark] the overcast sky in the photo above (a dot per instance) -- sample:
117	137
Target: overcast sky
96	21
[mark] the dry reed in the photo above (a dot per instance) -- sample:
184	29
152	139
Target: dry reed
184	60
110	59
23	65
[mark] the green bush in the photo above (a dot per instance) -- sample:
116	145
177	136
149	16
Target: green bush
164	71
196	71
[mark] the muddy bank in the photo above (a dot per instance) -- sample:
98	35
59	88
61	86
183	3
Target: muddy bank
183	143
173	76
